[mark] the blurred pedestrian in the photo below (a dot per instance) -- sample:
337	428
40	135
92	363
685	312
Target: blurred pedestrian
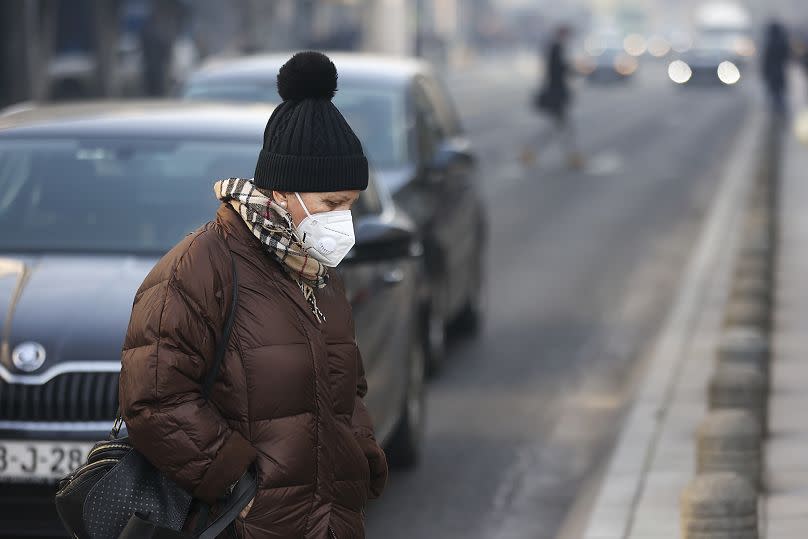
288	400
803	50
776	54
554	99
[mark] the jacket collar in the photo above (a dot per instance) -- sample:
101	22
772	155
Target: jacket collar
242	242
238	236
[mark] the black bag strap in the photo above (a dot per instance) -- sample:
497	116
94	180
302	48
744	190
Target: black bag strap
140	527
236	501
221	348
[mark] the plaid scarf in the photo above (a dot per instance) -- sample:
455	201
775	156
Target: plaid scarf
273	226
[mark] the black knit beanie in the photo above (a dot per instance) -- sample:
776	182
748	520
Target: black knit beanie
308	145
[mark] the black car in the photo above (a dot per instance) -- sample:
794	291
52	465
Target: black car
413	136
707	66
90	197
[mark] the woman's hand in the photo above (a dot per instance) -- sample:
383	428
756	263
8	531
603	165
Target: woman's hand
246	509
377	462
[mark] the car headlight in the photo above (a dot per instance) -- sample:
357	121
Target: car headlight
679	72
635	45
585	66
728	73
801	127
745	47
625	65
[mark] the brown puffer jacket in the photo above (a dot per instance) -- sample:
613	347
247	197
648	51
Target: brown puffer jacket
288	396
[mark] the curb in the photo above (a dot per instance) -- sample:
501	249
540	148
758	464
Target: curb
731	437
625	486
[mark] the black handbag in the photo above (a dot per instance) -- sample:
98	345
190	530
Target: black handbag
118	493
543	100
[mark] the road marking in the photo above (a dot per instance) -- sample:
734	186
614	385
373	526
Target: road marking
605	163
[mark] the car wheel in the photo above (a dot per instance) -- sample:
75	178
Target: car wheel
404	450
470	320
434	335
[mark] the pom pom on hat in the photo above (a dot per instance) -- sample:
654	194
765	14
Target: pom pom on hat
308	144
307	75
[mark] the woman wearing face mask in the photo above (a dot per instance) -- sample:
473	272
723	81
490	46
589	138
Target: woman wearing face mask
287	402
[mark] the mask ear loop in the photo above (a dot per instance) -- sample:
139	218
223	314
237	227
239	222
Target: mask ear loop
305	209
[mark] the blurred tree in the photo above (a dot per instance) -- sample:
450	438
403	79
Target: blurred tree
83	54
157	42
226	28
389	26
26	43
257	16
106	19
304	17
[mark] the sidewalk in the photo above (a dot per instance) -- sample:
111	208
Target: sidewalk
786	504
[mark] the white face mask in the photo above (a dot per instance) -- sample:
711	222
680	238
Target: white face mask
327	236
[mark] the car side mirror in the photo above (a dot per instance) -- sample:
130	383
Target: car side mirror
451	152
379	239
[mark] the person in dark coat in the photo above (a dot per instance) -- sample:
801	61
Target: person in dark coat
288	401
554	99
557	89
776	54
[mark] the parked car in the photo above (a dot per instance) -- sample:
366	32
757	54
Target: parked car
90	197
409	127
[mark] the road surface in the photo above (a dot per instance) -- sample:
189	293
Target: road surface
582	268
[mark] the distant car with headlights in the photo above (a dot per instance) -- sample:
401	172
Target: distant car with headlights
91	196
607	65
415	141
704	66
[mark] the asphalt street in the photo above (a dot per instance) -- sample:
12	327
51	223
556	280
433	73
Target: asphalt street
582	268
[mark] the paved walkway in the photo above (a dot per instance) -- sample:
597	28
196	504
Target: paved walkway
786	452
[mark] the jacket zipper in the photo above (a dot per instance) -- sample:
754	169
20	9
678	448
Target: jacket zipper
107	447
313	357
331	533
93	465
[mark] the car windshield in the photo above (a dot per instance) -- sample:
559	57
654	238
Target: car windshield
132	196
376	114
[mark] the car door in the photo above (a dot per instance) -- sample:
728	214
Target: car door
381	293
441	144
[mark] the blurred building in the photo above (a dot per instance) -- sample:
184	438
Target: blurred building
71	49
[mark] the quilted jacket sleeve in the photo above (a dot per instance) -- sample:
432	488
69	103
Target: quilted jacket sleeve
363	430
170	344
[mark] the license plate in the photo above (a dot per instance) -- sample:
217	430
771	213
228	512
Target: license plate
40	462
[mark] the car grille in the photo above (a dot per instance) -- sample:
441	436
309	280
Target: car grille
84	396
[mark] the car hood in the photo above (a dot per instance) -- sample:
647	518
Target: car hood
705	59
76	308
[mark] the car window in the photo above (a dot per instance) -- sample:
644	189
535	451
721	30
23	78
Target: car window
240	91
376	113
368	202
442	104
111	196
429	131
